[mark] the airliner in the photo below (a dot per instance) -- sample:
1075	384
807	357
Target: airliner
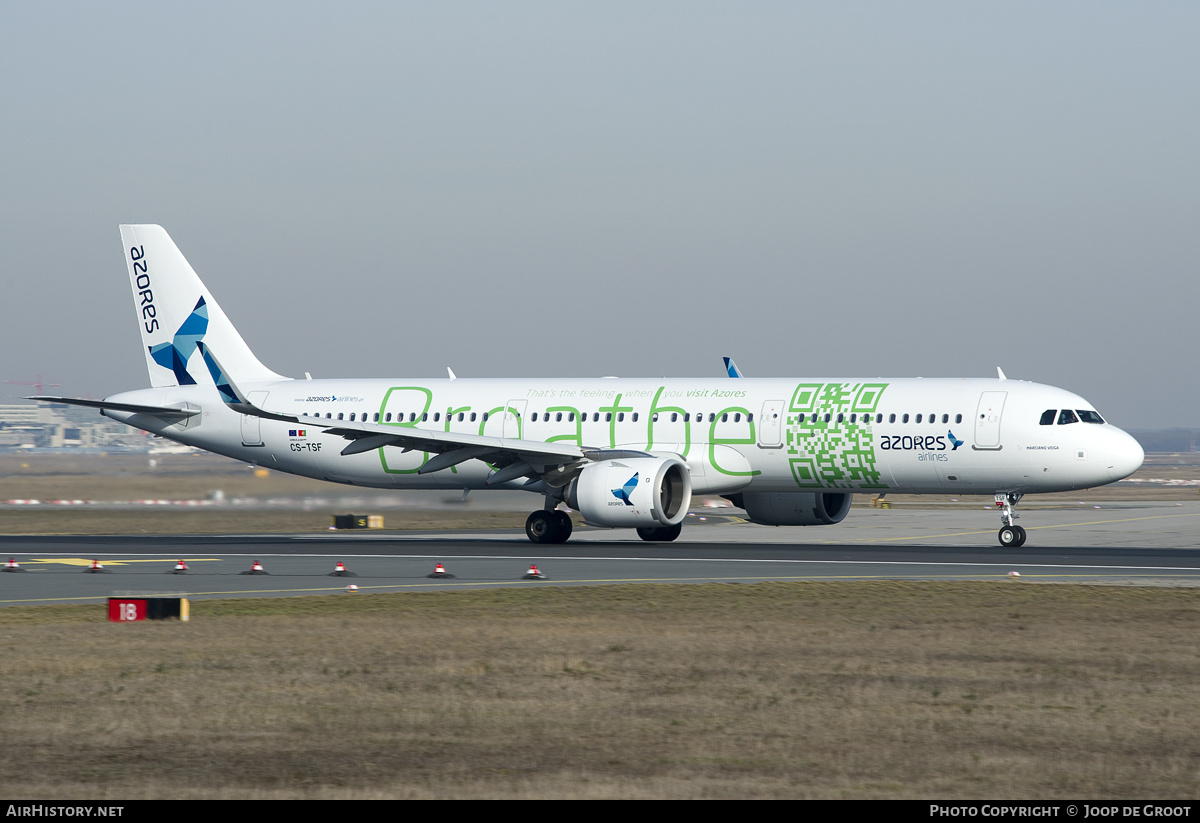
625	453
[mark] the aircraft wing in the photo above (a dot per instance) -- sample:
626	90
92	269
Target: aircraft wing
513	457
452	448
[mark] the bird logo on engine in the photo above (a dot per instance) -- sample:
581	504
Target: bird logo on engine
623	493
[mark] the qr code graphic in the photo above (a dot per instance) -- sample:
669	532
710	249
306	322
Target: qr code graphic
829	439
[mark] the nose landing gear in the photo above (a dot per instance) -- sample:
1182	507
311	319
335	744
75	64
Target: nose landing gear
1010	535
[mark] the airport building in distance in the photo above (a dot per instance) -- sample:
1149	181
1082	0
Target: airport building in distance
29	426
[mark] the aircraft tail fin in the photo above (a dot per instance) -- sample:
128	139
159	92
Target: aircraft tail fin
175	312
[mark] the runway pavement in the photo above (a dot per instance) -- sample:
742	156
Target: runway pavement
1131	544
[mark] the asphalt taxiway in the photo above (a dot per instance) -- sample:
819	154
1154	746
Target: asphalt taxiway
1131	544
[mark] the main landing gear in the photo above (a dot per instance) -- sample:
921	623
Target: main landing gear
550	526
1010	535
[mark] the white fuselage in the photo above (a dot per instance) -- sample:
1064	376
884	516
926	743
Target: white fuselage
960	436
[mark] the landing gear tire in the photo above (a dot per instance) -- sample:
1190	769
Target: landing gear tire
565	526
1011	537
662	535
540	527
548	527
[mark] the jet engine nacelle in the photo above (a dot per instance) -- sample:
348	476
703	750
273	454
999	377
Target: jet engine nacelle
794	508
640	492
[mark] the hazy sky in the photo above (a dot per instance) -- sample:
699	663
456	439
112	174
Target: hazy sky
578	189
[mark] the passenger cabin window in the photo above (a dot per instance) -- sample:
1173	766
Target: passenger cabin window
958	418
1048	417
904	419
1067	416
918	418
1089	416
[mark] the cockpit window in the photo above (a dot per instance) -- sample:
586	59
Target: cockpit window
1067	416
1048	417
1089	416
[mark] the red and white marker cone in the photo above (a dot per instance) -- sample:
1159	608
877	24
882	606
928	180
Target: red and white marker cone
180	568
439	571
533	573
255	568
12	565
95	568
340	570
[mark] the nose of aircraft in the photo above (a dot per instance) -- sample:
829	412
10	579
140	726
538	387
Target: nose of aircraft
1125	455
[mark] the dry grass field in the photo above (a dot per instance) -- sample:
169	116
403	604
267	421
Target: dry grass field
804	690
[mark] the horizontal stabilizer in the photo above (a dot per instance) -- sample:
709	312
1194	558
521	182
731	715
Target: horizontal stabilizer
168	412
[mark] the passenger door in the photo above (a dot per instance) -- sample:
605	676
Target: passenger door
987	420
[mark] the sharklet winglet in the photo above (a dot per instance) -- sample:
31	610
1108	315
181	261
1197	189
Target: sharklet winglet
231	395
